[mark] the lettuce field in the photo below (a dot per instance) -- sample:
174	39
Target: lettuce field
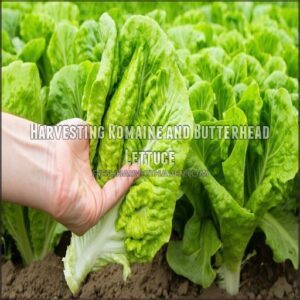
231	230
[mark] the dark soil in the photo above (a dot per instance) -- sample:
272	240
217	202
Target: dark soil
261	278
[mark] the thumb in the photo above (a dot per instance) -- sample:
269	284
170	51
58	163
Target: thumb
117	187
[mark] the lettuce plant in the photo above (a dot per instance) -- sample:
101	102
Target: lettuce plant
138	76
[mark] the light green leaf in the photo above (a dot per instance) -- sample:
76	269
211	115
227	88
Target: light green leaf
14	221
268	41
7	58
275	63
187	36
251	103
281	230
234	166
61	49
196	266
279	80
279	162
224	95
33	50
101	85
36	25
232	42
44	232
290	55
202	97
59	11
66	92
100	246
6	42
21	88
88	43
10	20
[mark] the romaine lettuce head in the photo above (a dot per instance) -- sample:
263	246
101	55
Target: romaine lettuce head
149	91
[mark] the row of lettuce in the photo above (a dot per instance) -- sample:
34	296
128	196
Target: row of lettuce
211	64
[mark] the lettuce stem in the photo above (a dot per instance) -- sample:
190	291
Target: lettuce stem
232	279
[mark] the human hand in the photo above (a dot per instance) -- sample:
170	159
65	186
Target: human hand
80	202
55	176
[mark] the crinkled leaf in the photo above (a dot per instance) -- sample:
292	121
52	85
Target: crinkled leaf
101	85
21	87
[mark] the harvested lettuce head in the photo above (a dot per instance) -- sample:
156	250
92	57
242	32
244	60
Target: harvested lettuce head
149	91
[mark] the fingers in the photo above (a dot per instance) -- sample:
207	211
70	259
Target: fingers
117	187
105	199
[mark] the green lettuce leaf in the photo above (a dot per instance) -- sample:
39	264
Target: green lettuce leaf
36	25
202	97
88	43
14	221
7	58
281	230
278	163
105	78
20	94
61	49
232	42
64	11
196	266
275	63
33	50
6	42
290	55
278	80
224	94
66	91
10	21
187	36
44	232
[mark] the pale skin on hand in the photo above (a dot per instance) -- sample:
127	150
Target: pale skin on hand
55	176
